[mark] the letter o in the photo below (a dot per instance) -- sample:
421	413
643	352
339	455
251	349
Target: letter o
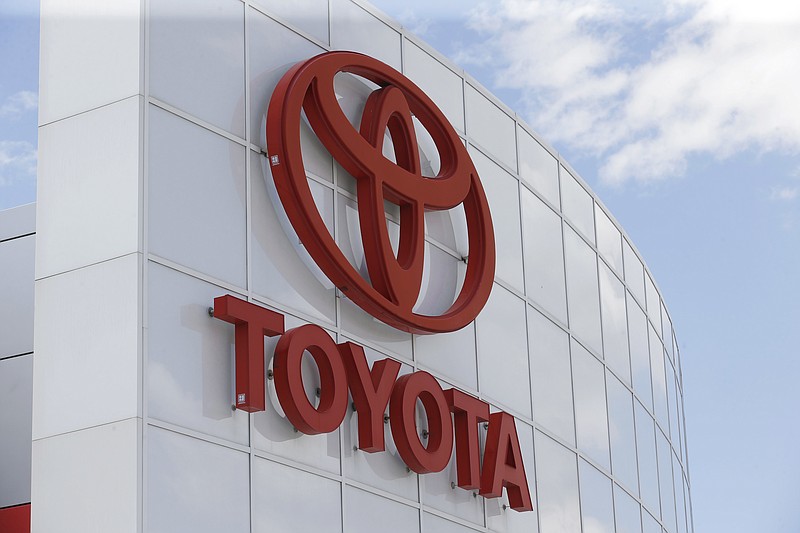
402	415
289	380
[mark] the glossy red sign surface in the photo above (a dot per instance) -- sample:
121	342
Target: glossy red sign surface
394	282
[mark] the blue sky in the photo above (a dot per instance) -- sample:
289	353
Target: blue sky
19	86
683	116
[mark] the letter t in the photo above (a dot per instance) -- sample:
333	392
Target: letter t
468	412
253	323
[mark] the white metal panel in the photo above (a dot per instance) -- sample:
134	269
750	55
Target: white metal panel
190	357
87	480
646	458
591	414
609	240
358	324
503	372
278	507
17	221
597	505
87	347
442	85
583	292
557	484
502	192
16	380
16	294
353	28
551	376
640	352
197	59
442	279
90	55
195	485
634	277
538	167
577	205
622	434
543	246
88	189
197	198
281	268
367	513
450	354
627	512
273	49
309	16
653	300
435	524
615	332
491	127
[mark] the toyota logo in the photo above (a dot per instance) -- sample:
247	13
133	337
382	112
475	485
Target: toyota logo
394	281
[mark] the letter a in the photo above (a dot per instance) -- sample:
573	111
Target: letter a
502	464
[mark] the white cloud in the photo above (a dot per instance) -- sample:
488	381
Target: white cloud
644	86
17	162
19	103
427	18
786	194
411	20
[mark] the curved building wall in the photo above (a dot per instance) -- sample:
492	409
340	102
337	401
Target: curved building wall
574	341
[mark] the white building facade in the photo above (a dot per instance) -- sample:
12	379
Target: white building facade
155	196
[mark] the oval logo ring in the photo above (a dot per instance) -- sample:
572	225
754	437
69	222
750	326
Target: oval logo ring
394	281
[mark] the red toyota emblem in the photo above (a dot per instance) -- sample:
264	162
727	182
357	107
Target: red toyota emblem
394	282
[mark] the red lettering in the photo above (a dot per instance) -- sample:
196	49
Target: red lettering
502	464
344	366
253	323
468	412
329	414
402	417
371	391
